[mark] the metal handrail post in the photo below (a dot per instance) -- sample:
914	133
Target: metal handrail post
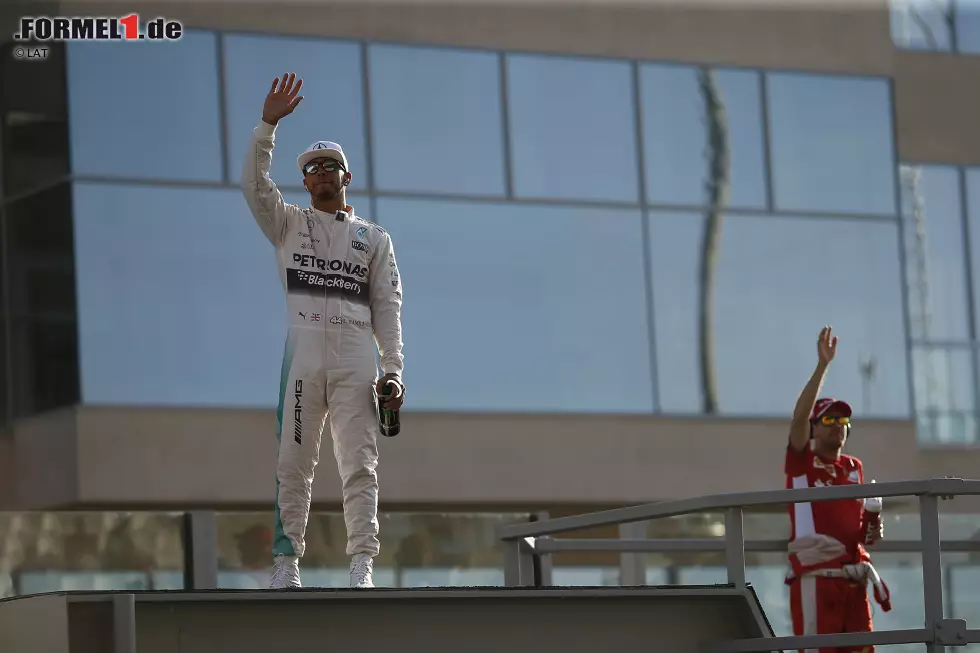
519	563
633	564
932	567
512	563
735	547
544	562
200	550
544	565
124	623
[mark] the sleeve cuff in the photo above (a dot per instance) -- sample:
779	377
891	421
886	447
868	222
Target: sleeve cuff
391	369
265	129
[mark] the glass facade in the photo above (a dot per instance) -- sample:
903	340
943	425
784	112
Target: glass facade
333	107
634	208
936	25
533	308
202	290
843	125
428	136
39	364
572	129
664	205
939	228
674	137
767	266
165	125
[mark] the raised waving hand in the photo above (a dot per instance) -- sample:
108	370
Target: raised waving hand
283	98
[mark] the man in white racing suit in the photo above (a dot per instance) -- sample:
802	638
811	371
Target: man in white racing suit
343	296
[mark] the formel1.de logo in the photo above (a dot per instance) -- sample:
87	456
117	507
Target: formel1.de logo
36	32
97	28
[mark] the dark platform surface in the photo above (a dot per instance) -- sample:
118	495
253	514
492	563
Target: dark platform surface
474	620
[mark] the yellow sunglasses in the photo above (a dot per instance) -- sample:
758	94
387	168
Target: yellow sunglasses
830	420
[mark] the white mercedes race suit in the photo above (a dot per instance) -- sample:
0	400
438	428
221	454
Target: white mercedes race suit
343	296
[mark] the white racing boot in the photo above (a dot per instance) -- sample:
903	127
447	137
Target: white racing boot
361	570
286	573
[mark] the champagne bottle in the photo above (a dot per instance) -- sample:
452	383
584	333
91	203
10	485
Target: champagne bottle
389	419
872	518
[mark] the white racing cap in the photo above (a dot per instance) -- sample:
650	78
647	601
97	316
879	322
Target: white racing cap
322	149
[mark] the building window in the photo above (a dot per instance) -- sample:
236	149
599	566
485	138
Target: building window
332	108
832	144
199	301
572	128
641	205
703	136
557	313
39	268
924	24
146	111
34	124
938	251
432	136
772	286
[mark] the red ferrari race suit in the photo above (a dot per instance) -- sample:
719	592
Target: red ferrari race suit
830	570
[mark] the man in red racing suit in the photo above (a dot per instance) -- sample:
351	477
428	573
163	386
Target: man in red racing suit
830	569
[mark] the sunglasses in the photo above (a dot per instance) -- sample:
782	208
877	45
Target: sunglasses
830	420
314	167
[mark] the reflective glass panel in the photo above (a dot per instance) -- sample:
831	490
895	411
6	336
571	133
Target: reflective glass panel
972	179
44	364
903	574
935	253
904	523
775	525
584	576
551	298
417	550
831	140
945	393
964	595
41	285
63	551
435	120
776	282
900	524
922	24
572	128
146	110
152	298
702	136
332	108
966	17
40	250
34	124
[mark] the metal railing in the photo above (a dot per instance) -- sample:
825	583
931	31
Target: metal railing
527	548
